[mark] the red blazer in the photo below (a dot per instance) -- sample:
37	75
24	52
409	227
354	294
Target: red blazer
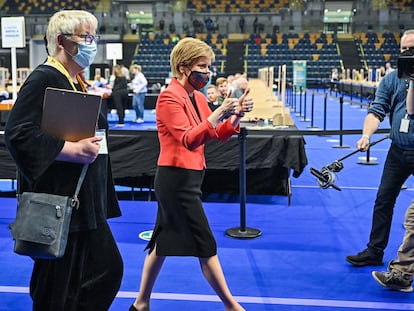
181	133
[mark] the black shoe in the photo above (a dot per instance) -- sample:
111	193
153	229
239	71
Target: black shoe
394	280
132	308
364	258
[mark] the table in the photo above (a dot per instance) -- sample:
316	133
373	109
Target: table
270	159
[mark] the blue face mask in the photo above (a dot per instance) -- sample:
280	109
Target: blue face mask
86	54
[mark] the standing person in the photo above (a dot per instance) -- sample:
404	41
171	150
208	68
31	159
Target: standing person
334	79
399	165
139	86
399	275
242	23
185	124
222	88
89	275
120	94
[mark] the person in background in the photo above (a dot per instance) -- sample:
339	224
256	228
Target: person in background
334	79
99	81
89	274
139	88
125	72
390	99
4	94
212	97
241	85
388	68
222	88
185	124
120	94
399	275
230	80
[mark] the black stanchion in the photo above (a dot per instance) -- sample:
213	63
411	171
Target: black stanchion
325	101
304	107
243	232
341	121
312	112
300	101
367	160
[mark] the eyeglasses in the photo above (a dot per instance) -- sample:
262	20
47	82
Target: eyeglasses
88	37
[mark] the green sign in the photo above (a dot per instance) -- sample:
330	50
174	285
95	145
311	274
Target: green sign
299	73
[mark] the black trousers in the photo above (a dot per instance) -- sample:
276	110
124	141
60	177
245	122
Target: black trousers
120	99
87	278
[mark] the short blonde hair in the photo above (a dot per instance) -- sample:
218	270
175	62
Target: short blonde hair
137	67
186	52
221	80
66	21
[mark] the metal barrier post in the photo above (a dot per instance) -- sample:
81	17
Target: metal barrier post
341	119
312	111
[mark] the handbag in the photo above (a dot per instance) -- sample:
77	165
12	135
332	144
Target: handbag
41	227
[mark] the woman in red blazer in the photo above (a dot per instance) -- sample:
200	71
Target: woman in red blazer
185	123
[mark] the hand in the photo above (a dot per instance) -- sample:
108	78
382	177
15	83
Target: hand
229	106
245	102
363	143
88	149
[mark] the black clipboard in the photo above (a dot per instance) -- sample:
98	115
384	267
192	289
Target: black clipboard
70	115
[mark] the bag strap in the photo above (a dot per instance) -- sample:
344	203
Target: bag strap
75	201
81	178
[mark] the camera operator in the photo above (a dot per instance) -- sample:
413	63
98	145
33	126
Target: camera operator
390	99
399	275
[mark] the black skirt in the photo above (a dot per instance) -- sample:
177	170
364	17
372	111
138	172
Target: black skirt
182	228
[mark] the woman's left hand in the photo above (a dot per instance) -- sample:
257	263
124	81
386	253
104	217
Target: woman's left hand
245	103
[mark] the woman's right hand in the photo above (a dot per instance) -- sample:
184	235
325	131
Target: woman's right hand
229	107
225	110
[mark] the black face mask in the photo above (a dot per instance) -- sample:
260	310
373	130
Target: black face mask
198	79
408	52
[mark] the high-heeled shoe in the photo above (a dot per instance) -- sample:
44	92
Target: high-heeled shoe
132	308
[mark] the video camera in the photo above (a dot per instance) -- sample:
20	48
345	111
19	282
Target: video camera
406	64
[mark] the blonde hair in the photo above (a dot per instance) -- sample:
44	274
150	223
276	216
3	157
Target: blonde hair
66	21
186	52
221	80
137	67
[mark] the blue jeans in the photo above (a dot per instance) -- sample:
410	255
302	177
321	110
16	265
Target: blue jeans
138	100
398	166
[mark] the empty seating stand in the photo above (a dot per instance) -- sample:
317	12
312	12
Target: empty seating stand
47	7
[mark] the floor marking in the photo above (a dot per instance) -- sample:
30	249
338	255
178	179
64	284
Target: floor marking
253	300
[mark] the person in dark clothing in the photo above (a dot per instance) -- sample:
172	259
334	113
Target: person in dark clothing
255	24
120	94
242	23
89	274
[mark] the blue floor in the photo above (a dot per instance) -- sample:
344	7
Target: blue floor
298	263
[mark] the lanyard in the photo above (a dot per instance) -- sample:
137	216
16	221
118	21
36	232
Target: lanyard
55	63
